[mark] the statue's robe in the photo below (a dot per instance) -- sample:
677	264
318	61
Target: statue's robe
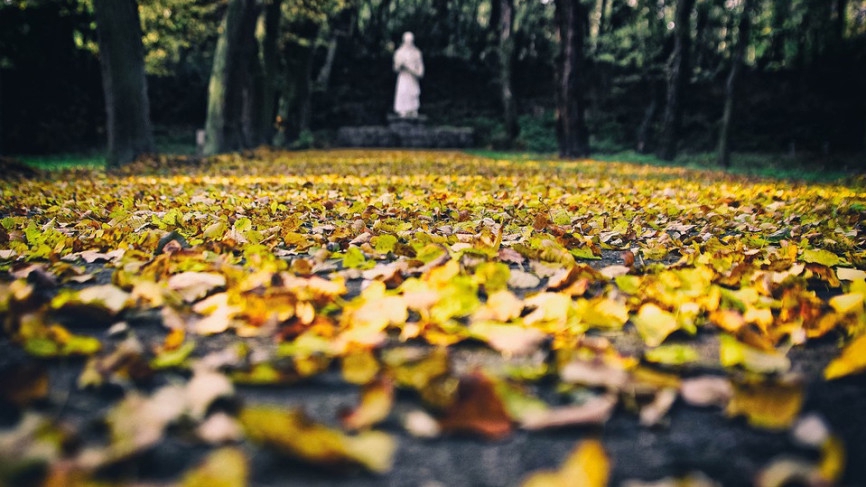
410	68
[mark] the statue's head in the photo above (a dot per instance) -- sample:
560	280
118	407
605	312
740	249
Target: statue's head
408	38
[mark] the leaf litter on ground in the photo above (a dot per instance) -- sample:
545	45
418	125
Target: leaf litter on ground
626	286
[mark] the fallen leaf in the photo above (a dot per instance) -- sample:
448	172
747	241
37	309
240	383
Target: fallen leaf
653	413
421	425
477	409
226	467
510	340
377	399
654	324
770	405
732	352
596	410
707	391
292	433
586	466
821	256
852	360
192	286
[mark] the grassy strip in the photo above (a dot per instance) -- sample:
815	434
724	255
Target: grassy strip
805	168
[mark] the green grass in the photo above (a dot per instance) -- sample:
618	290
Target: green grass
64	161
807	168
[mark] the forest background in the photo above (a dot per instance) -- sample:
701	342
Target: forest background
784	77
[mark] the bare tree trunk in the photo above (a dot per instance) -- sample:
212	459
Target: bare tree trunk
643	131
724	149
506	63
679	72
1	112
323	79
602	18
778	35
268	34
571	21
121	56
225	91
840	20
305	89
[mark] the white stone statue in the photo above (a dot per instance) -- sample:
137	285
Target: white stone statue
409	67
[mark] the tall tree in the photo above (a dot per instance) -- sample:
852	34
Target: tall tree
506	63
679	72
268	33
571	19
223	125
739	54
121	55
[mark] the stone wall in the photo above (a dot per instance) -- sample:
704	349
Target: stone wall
410	133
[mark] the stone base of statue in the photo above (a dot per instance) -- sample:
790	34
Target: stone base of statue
409	132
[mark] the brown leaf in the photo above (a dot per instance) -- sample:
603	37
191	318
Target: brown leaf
477	409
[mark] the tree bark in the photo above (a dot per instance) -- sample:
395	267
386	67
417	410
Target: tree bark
841	19
121	56
223	126
679	72
643	131
571	21
268	36
602	18
506	63
739	54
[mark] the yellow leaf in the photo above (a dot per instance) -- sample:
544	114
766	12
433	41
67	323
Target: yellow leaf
654	324
832	463
360	366
770	405
851	361
226	467
377	398
587	466
292	433
732	352
847	303
606	313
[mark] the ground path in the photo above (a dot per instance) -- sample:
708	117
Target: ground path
429	318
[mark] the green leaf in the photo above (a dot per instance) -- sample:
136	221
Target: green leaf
675	354
355	259
823	257
384	243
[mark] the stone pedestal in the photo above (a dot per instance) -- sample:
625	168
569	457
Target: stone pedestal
406	132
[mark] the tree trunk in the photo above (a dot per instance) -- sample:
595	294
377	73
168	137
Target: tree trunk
602	18
778	35
1	111
495	18
225	91
643	131
506	63
323	79
571	21
268	35
840	20
679	73
739	54
701	20
121	56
